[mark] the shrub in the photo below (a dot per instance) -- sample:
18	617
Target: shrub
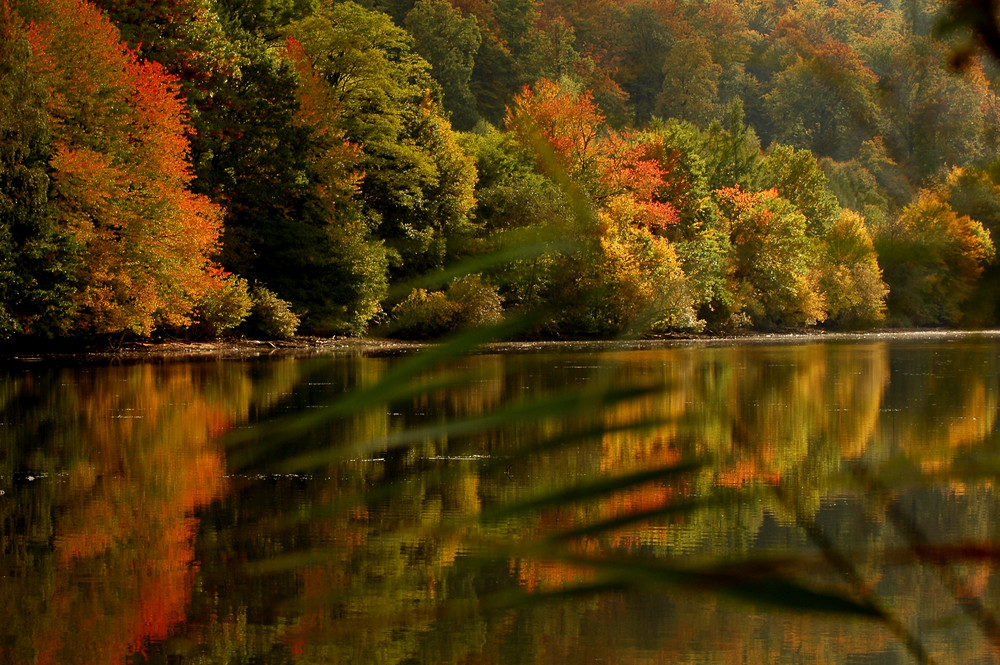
479	303
424	314
271	317
223	308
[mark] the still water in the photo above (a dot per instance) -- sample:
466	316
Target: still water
792	503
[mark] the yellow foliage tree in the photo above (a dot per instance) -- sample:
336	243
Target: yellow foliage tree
932	258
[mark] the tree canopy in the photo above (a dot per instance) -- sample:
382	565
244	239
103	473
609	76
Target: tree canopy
190	167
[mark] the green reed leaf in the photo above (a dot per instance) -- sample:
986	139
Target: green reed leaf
590	491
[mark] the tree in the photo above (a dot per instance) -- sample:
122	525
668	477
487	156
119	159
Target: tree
418	186
341	275
771	270
824	96
36	259
932	258
732	151
974	192
626	274
797	177
517	207
631	46
120	176
190	39
265	17
936	118
691	82
605	163
449	43
850	276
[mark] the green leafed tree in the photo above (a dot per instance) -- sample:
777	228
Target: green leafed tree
798	177
732	151
346	281
419	184
36	280
449	42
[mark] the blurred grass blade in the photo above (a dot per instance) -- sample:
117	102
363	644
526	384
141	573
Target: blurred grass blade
400	382
773	591
557	406
589	491
788	595
637	517
641	574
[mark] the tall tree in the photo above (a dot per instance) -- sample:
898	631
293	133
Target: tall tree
339	272
449	42
418	186
36	282
515	51
121	176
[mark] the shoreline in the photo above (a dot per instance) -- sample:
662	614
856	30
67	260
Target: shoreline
246	349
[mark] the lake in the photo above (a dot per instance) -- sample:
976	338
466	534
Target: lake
801	501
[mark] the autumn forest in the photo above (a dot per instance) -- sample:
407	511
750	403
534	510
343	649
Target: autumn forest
207	167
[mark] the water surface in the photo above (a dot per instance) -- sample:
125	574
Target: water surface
231	512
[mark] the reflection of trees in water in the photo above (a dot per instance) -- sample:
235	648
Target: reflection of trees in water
364	559
947	406
101	543
790	416
762	415
394	580
794	418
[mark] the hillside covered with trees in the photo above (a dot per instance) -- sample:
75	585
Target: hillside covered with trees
195	167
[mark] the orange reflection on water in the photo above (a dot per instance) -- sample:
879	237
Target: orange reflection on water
141	456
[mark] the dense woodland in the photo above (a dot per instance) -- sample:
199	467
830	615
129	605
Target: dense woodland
203	167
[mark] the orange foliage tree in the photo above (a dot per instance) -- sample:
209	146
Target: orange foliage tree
628	275
120	173
932	258
606	163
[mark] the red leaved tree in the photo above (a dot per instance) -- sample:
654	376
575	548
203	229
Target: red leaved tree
120	172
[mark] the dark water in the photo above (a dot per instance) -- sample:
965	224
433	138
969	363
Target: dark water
294	511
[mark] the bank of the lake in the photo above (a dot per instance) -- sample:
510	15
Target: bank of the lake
302	346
